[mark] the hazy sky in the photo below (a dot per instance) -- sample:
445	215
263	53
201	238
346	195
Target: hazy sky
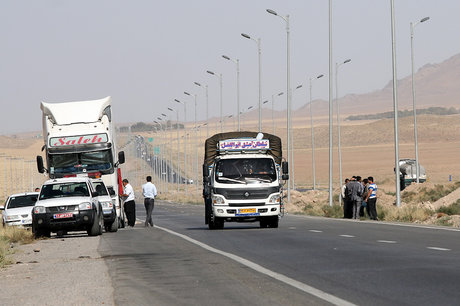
145	53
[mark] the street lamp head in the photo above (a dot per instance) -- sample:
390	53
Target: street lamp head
155	122
197	84
188	94
170	109
159	118
266	101
226	57
246	36
424	19
210	72
347	61
320	76
250	107
299	86
177	101
272	12
164	115
280	94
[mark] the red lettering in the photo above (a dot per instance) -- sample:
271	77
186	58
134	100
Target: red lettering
80	139
94	139
86	140
61	141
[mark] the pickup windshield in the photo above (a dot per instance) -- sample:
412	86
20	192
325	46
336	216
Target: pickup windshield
81	162
77	189
245	170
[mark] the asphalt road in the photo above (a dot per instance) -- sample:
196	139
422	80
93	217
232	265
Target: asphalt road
307	260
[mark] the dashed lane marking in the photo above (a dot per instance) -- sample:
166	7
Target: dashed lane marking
315	231
386	241
347	236
438	249
280	277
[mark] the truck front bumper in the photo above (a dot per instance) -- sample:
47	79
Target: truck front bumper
247	212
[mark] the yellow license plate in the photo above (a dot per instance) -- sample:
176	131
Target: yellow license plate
247	210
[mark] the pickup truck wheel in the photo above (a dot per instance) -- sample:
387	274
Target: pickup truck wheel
113	227
96	228
101	221
263	223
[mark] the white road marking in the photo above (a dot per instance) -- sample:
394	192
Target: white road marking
438	249
347	236
292	228
280	277
386	241
316	231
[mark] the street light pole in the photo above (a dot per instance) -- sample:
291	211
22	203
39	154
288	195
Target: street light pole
185	144
338	122
288	95
395	104
196	144
412	27
177	129
220	83
237	62
207	107
330	103
259	51
313	163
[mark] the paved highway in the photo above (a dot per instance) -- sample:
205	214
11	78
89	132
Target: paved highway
307	260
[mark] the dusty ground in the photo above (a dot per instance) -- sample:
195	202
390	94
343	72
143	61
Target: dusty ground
57	271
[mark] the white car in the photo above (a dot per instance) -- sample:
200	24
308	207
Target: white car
108	206
18	209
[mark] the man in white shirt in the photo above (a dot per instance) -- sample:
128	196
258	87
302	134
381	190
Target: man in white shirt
130	205
149	191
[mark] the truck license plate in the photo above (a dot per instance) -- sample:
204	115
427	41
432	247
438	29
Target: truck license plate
247	211
63	215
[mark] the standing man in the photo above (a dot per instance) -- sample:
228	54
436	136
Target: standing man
355	194
130	205
345	201
371	199
149	191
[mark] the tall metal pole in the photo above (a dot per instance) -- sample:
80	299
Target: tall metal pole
221	103
330	103
273	116
412	26
259	50
237	63
178	148
185	143
313	163
395	105
338	122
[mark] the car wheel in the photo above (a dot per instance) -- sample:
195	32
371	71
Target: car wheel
96	226
114	226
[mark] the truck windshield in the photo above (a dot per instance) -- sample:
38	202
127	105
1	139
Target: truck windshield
77	189
245	170
80	162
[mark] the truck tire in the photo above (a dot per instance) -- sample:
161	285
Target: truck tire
263	222
96	228
273	223
218	223
113	227
39	233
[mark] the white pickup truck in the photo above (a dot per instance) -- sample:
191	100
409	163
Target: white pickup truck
67	204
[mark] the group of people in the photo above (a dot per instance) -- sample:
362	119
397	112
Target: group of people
149	191
358	195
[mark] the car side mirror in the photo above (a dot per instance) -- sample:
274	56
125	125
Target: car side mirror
95	194
2	207
40	166
112	192
121	157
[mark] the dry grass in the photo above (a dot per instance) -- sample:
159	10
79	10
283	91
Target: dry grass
9	235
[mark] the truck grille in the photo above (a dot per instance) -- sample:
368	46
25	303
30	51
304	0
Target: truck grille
57	209
246	194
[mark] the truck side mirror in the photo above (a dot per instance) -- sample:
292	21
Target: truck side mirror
121	157
40	166
285	171
205	173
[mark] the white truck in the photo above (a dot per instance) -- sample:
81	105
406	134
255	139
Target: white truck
80	141
243	178
408	172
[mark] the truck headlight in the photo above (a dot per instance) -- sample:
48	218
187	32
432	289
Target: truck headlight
107	205
217	199
274	199
39	209
84	206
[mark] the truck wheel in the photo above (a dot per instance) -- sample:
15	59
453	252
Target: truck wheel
96	228
263	222
114	226
274	222
218	223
